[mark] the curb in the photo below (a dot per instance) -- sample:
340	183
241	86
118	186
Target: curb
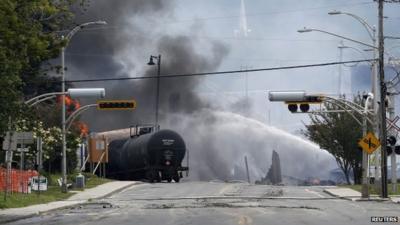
16	218
118	190
349	198
358	198
22	217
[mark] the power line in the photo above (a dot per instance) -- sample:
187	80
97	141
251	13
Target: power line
216	73
247	15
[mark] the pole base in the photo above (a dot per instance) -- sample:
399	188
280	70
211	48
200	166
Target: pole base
364	191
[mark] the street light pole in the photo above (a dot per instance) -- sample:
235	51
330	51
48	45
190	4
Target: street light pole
63	130
371	30
365	167
63	134
158	88
151	62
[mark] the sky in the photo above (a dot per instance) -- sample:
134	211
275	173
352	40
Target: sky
272	42
224	117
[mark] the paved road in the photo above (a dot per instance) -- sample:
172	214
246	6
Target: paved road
218	203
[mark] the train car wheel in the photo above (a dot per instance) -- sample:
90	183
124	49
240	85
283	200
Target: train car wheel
176	179
150	176
158	177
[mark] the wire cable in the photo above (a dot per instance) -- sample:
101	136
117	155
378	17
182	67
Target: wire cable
216	73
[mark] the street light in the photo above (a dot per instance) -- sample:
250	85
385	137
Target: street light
306	30
151	63
370	29
86	92
72	92
374	85
301	97
63	130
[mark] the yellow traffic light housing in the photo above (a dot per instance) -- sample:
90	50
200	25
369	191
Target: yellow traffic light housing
116	104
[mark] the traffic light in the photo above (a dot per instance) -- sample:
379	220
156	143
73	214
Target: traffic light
392	140
295	99
389	150
116	104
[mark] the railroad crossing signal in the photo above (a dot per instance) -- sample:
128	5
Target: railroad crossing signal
116	104
391	124
369	143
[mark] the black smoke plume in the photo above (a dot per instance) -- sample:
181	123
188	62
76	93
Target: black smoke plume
122	49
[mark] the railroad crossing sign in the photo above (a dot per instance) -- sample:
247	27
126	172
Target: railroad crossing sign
369	143
391	124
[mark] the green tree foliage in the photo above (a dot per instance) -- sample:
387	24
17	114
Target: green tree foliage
28	38
339	133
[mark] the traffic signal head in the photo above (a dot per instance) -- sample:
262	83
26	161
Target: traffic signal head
392	140
389	150
295	99
116	105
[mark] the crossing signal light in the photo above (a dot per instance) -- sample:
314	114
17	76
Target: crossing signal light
116	104
392	140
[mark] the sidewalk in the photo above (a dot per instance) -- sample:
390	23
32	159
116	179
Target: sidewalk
350	194
101	191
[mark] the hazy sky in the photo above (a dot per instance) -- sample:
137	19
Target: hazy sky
199	36
272	42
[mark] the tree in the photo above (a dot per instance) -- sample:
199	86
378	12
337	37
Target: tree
339	133
28	39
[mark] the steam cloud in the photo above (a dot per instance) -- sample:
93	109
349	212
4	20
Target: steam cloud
217	140
222	139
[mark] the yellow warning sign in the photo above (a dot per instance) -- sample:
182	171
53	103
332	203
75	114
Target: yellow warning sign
369	143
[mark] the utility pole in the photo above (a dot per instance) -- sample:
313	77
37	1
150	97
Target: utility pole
382	106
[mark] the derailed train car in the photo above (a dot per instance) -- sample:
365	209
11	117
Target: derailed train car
154	156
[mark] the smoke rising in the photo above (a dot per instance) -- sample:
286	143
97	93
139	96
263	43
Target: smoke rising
123	49
217	140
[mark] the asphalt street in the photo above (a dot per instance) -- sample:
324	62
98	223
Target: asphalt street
218	203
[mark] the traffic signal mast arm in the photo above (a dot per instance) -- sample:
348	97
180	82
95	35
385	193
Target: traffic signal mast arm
295	98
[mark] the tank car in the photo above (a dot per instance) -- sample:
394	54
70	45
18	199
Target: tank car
154	156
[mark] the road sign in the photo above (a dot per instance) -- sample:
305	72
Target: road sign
24	137
391	124
10	141
116	104
22	149
369	143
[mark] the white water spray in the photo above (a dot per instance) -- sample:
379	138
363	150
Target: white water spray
218	141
